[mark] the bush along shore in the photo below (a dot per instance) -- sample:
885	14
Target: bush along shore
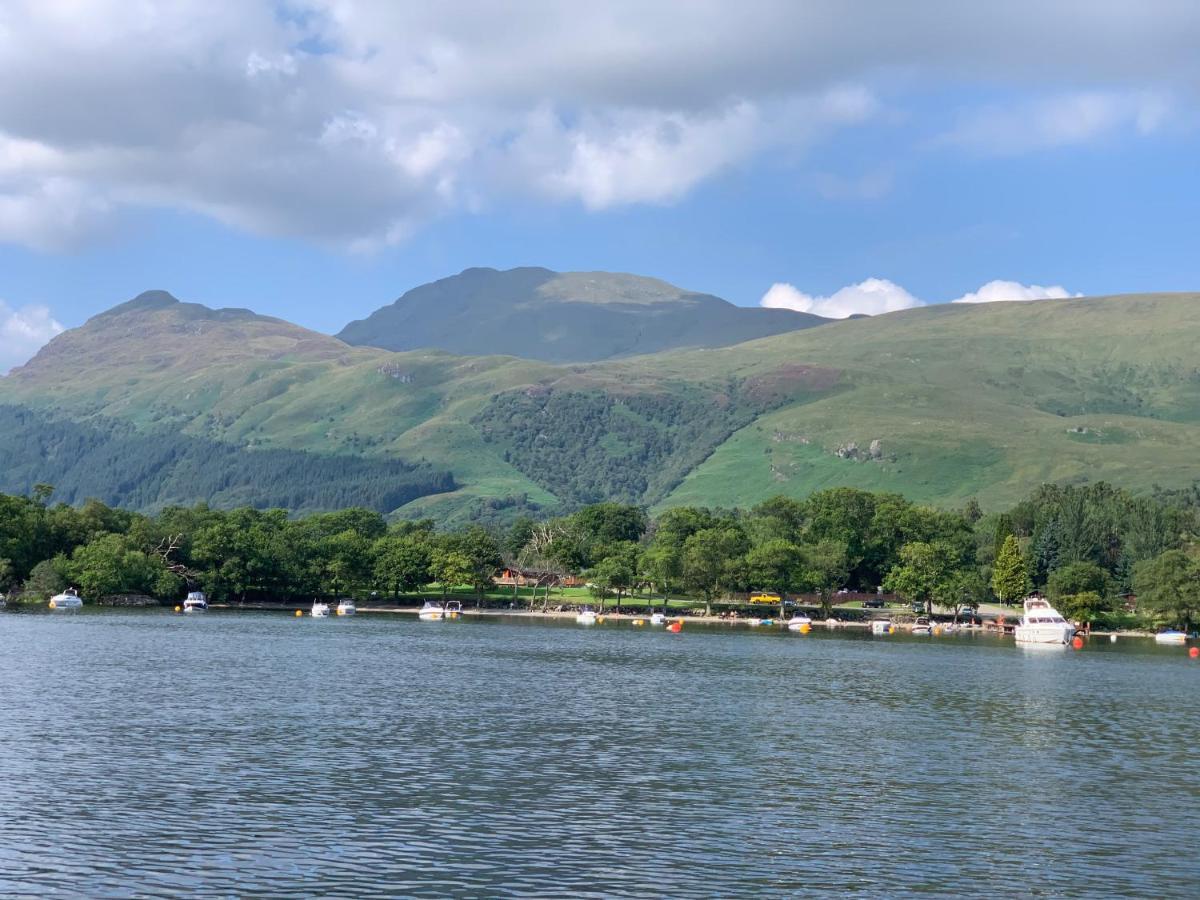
1105	557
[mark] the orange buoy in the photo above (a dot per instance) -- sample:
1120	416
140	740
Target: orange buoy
1194	652
299	613
1077	643
675	627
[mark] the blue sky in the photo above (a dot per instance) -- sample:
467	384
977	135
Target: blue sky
314	161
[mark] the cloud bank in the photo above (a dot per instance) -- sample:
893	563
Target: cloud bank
878	295
23	331
353	122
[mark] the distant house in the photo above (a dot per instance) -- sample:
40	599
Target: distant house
514	577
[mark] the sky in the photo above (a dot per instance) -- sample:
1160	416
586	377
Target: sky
314	159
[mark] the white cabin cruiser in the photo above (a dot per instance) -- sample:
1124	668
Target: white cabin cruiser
1170	637
1042	624
196	602
658	619
586	616
453	609
799	623
346	607
922	627
68	599
431	612
320	610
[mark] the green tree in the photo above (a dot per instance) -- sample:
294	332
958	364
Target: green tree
449	567
922	573
1078	578
612	575
483	555
401	562
1010	574
826	566
47	579
109	565
1168	589
1086	606
777	565
707	557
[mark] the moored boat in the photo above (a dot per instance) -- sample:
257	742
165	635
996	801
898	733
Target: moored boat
431	612
657	619
922	627
881	626
799	623
453	609
196	602
67	600
346	607
1042	624
1170	637
586	616
319	610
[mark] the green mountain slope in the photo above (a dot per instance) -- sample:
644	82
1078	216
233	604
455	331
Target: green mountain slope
563	317
940	403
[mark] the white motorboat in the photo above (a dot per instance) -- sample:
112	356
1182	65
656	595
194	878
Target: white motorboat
346	607
1042	624
3	601
658	619
453	609
881	626
68	599
196	602
586	617
320	610
922	627
799	623
431	612
1170	637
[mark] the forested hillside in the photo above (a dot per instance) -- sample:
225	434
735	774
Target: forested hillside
939	404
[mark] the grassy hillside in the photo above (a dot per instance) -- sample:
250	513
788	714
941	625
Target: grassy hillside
563	317
940	403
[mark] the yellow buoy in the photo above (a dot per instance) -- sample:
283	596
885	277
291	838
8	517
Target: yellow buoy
299	613
805	628
639	621
179	609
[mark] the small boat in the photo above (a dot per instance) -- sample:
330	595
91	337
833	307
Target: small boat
921	626
453	609
799	623
3	601
658	619
68	599
586	617
431	612
1170	637
320	610
196	602
346	607
881	626
1042	624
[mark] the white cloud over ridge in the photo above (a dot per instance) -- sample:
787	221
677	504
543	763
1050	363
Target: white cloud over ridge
23	331
352	122
879	295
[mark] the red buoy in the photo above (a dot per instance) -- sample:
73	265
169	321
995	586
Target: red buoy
1194	652
675	627
1077	643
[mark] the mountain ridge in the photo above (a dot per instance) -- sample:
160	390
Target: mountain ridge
937	403
562	317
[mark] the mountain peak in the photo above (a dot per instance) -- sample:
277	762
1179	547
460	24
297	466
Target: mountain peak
566	317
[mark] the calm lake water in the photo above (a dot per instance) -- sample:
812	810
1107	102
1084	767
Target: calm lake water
144	753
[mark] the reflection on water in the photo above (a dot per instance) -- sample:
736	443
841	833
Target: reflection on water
143	753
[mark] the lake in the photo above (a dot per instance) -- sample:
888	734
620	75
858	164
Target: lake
146	753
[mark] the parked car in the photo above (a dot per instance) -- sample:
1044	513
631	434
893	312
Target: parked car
874	603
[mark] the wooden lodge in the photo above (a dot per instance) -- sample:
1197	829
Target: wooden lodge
514	577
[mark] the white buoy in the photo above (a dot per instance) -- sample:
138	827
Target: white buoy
1112	638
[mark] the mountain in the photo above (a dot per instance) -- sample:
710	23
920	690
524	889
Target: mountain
939	403
563	317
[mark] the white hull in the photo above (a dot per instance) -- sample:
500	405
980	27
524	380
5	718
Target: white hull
586	619
658	619
64	602
430	616
320	611
347	609
799	623
881	627
1170	637
922	631
195	609
1044	634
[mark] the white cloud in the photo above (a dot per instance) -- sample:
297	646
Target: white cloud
352	122
878	295
870	297
995	291
1061	120
23	331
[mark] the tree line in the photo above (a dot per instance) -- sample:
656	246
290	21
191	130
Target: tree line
1089	548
